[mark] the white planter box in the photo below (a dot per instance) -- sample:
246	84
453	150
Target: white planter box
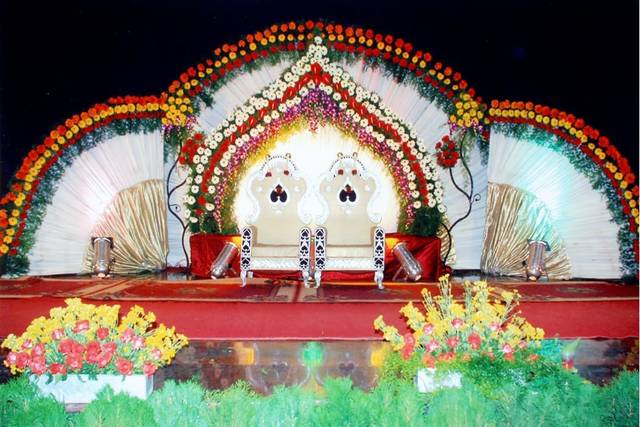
427	381
81	389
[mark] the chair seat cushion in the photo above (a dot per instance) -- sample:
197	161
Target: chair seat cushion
346	251
274	251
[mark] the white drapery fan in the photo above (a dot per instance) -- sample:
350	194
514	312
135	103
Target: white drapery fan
579	213
85	191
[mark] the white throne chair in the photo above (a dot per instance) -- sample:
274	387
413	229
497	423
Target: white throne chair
277	237
348	237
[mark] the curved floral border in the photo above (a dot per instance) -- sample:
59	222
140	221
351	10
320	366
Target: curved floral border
590	152
311	86
292	39
33	186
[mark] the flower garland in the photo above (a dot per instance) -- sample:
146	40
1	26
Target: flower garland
318	90
85	339
289	40
23	207
591	153
485	325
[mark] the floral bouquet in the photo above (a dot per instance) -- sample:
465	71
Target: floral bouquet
485	325
446	152
85	339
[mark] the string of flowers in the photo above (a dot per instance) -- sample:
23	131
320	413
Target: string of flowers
85	339
22	207
484	324
320	91
288	40
587	150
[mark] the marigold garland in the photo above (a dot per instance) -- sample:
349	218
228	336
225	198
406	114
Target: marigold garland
588	140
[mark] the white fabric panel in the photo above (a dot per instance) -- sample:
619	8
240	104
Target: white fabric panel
431	123
176	257
83	193
236	92
579	212
428	120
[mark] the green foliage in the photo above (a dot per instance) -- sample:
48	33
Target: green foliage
21	405
116	410
461	407
181	404
621	400
287	406
396	369
235	406
426	222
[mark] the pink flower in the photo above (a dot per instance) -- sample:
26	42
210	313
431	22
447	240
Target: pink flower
27	344
457	323
427	329
104	358
494	326
102	333
453	342
138	343
57	334
93	351
110	347
127	335
38	350
507	349
156	353
522	344
38	365
124	366
21	359
474	340
74	361
81	326
432	346
57	368
148	368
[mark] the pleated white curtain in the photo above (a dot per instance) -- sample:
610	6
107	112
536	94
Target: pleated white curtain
579	213
85	191
428	120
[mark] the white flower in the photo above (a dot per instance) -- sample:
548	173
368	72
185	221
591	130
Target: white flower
196	158
211	189
209	206
191	200
193	219
217	137
437	191
342	105
224	163
199	169
189	180
194	189
406	169
217	171
415	194
412	185
442	208
399	154
431	202
417	204
200	150
337	96
207	152
232	149
215	180
439	199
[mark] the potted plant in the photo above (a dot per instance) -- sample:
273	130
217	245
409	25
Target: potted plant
81	348
449	331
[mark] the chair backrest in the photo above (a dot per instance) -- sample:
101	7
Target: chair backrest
277	190
347	190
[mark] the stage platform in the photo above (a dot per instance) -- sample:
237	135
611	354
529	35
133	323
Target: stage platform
284	310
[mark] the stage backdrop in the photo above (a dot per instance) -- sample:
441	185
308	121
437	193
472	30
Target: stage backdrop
151	171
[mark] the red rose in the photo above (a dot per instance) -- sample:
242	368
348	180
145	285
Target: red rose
102	333
104	358
453	342
457	323
38	350
57	368
124	366
148	368
93	351
74	361
109	347
81	326
474	340
20	360
38	365
65	346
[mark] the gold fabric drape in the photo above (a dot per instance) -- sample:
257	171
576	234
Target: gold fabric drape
513	217
137	221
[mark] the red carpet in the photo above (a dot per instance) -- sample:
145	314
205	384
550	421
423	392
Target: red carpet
219	310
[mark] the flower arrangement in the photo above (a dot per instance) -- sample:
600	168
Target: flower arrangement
318	90
446	152
485	325
85	339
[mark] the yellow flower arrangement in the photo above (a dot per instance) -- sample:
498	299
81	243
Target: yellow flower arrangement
485	323
88	339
